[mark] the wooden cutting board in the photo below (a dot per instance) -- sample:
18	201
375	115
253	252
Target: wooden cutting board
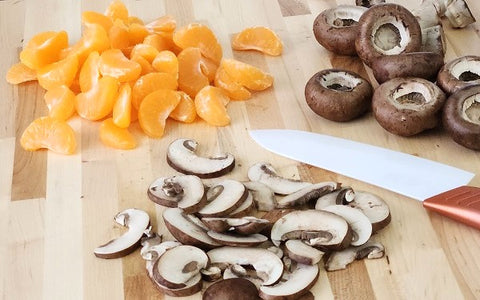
56	209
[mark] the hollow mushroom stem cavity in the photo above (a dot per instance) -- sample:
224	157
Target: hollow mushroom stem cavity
459	73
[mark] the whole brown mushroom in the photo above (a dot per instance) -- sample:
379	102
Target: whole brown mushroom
232	288
459	73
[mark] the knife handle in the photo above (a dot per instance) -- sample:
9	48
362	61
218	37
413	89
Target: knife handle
461	204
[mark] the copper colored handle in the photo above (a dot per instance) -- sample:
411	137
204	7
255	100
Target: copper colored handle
461	204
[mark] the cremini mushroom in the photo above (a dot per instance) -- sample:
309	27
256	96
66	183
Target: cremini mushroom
223	198
263	196
459	73
236	240
374	207
307	194
245	225
339	260
338	95
358	221
302	253
245	208
343	195
232	288
368	3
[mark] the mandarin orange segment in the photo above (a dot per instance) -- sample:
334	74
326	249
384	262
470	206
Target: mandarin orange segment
118	36
117	10
210	104
122	109
116	137
209	68
134	20
166	61
191	79
93	17
58	73
148	52
146	66
44	49
159	42
98	102
185	111
89	73
247	75
60	102
200	36
137	33
94	38
155	109
115	64
258	38
166	23
50	133
149	83
19	73
233	90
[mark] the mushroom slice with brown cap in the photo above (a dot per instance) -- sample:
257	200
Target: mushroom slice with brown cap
293	284
336	28
153	252
302	253
186	192
459	73
307	194
408	106
245	225
223	198
338	95
185	231
179	265
387	29
244	208
461	117
137	222
266	174
368	3
211	273
182	157
232	288
374	207
235	240
458	13
263	196
344	195
339	260
358	221
316	227
263	261
193	286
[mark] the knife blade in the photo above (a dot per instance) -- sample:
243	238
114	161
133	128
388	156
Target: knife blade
441	186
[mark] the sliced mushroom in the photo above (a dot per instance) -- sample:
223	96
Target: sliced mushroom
244	225
193	286
339	260
186	192
408	106
458	14
461	117
182	157
387	29
317	228
233	288
235	240
179	265
358	221
293	285
185	231
244	208
273	216
307	194
413	64
263	196
266	174
459	73
368	3
223	198
336	28
338	95
238	271
263	261
302	253
374	207
211	273
344	195
137	222
153	252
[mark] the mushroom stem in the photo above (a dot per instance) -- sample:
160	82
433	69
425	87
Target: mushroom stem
457	12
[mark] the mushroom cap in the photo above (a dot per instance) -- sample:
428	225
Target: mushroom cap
459	73
232	288
336	28
461	117
407	106
379	23
374	207
338	95
302	253
413	64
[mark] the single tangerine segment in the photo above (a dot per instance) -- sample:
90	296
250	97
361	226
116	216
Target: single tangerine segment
116	137
158	41
166	61
60	102
93	17
185	111
233	90
62	72
122	109
94	38
146	66
210	104
44	49
149	83
247	75
115	64
155	109
98	102
118	36
89	73
117	10
148	52
166	23
191	79
137	33
134	20
50	133
200	36
258	38
20	73
208	68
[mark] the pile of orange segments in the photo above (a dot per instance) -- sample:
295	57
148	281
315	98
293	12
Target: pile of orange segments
122	71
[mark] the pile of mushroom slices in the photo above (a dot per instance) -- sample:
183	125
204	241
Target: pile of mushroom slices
269	233
405	50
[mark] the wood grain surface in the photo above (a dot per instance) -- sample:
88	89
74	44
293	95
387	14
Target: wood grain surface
54	209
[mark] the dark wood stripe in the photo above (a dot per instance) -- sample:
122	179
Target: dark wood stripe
294	7
350	63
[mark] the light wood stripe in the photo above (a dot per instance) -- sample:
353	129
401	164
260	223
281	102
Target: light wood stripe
294	7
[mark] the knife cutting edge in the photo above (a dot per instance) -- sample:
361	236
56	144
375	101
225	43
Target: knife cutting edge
442	188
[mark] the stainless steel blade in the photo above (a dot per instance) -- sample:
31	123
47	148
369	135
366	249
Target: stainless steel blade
402	173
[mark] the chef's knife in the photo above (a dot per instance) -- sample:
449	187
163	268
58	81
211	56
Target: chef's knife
442	188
